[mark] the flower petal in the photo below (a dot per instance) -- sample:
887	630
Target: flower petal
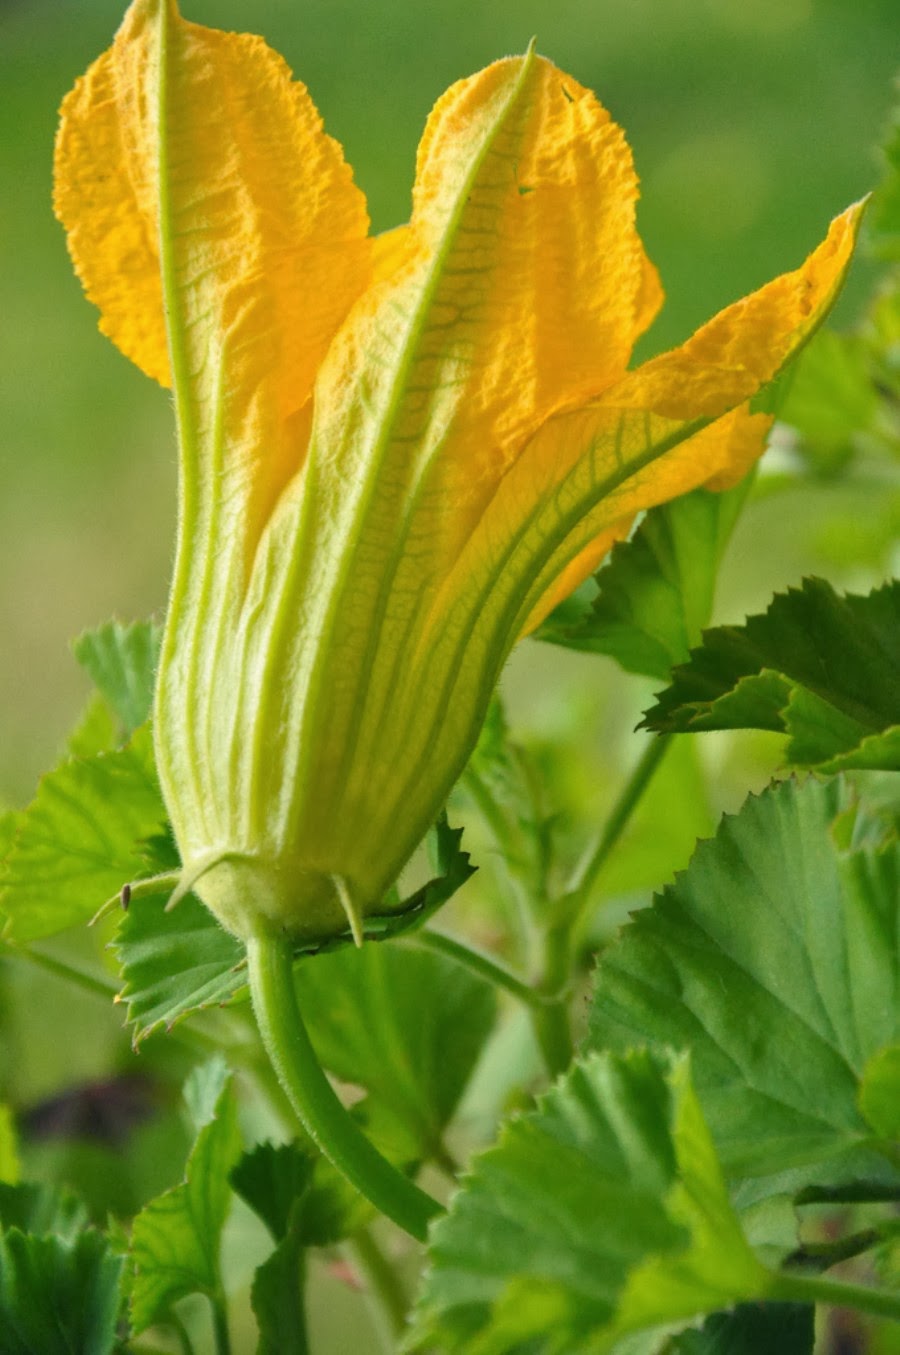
190	164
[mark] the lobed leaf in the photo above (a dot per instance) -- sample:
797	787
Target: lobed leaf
121	662
819	667
58	1296
774	959
534	1253
175	1238
79	840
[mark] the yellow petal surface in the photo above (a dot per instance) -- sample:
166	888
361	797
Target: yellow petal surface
190	153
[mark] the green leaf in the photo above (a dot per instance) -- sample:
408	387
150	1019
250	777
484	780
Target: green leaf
884	215
656	593
78	842
879	1092
58	1297
97	730
601	1213
277	1298
831	398
405	1023
822	668
9	1148
176	963
175	1238
39	1208
774	959
271	1179
121	662
752	1329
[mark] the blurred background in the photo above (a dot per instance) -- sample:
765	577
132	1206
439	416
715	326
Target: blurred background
753	122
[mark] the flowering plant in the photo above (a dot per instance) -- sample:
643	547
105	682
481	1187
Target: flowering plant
399	455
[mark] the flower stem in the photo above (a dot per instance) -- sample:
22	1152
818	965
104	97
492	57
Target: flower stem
799	1288
326	1120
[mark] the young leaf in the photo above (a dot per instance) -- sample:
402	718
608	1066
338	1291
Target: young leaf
175	1238
79	840
174	963
656	593
822	668
406	1024
773	958
58	1296
752	1329
121	662
97	730
602	1212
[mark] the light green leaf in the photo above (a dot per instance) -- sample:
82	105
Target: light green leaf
97	730
752	1329
879	1093
10	1170
601	1213
656	593
175	1238
822	668
405	1023
831	398
774	959
121	662
79	841
58	1297
176	963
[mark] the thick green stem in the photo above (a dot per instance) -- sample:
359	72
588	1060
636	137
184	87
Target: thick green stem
802	1288
326	1120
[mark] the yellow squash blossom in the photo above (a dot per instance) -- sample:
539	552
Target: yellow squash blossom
396	453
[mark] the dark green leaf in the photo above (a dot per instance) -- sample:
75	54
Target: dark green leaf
40	1208
774	959
121	662
752	1329
175	1238
270	1179
78	842
656	593
174	963
822	668
601	1213
58	1297
405	1023
277	1298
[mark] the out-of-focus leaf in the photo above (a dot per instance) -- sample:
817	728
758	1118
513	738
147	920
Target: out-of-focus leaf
822	668
601	1213
879	1092
656	593
97	730
884	213
831	398
174	963
773	958
9	1149
78	842
406	1024
39	1208
752	1329
175	1238
57	1296
121	662
277	1297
